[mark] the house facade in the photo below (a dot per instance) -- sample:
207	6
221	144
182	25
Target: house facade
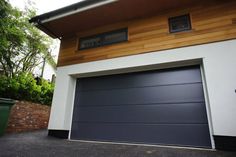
145	72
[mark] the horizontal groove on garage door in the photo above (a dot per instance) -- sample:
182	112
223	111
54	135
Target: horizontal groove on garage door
153	134
109	89
160	94
160	103
186	113
154	107
144	79
140	123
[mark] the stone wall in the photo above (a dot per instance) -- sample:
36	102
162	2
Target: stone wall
28	116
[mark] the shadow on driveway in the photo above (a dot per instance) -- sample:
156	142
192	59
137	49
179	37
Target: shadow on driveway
38	144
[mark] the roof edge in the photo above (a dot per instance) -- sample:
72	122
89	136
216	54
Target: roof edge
69	10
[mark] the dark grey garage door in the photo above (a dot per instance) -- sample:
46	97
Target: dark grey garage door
154	107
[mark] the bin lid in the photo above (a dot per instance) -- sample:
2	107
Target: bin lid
7	101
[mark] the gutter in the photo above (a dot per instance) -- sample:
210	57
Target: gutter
67	11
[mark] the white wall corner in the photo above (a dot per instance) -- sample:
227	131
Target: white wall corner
60	101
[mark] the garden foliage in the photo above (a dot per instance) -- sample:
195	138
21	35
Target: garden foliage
25	87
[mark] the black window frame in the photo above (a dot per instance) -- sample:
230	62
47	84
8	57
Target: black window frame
102	36
175	18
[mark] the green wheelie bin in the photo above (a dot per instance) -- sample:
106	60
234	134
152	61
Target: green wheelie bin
5	108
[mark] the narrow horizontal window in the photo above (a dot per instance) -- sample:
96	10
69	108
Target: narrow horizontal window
180	23
107	38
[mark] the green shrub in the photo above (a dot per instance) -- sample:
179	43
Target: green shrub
25	87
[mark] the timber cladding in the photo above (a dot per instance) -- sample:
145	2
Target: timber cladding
210	23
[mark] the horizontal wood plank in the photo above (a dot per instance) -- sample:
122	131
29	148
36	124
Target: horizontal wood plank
210	23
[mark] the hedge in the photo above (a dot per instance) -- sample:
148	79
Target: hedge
25	87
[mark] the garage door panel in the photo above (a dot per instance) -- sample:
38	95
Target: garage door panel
163	107
144	95
146	113
178	134
150	78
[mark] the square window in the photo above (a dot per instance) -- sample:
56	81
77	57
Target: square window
179	23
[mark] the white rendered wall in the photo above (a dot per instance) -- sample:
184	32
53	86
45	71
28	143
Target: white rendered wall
219	66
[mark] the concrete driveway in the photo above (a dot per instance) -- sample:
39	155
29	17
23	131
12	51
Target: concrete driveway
38	144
